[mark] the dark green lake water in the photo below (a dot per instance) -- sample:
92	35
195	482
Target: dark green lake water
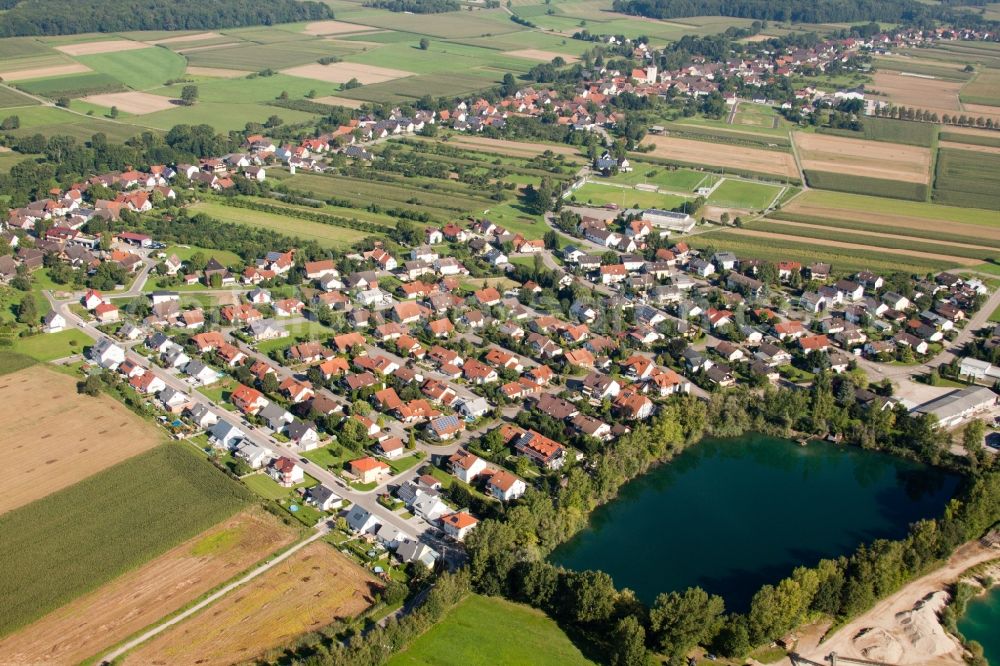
732	515
981	622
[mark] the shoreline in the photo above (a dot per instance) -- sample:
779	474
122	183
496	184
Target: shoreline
905	627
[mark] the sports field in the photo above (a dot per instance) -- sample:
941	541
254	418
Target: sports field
624	197
97	621
67	437
79	538
489	631
306	592
744	195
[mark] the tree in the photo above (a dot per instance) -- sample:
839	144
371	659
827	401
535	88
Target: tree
424	43
189	94
27	311
681	620
972	437
114	112
90	386
629	641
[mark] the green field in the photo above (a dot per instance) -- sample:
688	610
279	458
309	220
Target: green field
324	234
141	69
906	232
10	98
75	540
952	72
744	194
73	85
967	178
927	211
250	57
52	346
599	195
971	139
892	131
643	173
489	631
842	182
984	89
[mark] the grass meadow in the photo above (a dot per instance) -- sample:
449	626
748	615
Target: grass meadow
967	178
73	541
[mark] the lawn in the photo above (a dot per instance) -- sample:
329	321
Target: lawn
73	541
51	346
223	116
400	465
10	97
185	252
682	180
491	632
325	234
744	194
326	457
266	487
598	194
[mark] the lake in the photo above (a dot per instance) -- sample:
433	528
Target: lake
981	622
732	515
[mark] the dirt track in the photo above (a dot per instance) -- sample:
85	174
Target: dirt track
91	624
67	437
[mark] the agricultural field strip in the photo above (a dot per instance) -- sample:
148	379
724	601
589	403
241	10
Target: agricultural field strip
863	208
324	234
884	229
860	157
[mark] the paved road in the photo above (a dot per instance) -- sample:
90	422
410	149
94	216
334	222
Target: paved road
215	596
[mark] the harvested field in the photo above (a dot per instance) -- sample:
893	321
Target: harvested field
137	103
341	72
540	55
858	157
916	91
320	28
216	72
42	72
340	101
108	46
66	439
730	156
303	593
511	148
110	614
981	109
968	146
210	47
884	235
196	37
958	261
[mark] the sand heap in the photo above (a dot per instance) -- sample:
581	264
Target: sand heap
913	636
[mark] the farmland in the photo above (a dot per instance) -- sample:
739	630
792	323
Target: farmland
477	632
75	540
863	159
983	89
304	593
94	622
892	131
918	91
967	178
688	151
66	440
324	234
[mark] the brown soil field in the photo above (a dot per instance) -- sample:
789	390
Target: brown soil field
216	72
511	148
879	234
132	102
958	261
318	28
724	155
196	37
209	47
968	146
984	110
303	593
917	91
540	55
41	72
55	437
958	228
91	624
109	46
341	101
341	72
859	157
974	131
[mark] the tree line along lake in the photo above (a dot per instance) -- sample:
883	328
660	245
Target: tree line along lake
731	515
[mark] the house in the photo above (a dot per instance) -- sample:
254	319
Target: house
369	470
444	428
285	471
506	487
267	329
147	383
599	386
53	322
472	408
466	466
252	454
323	498
201	373
410	551
814	343
248	400
202	416
92	299
275	416
633	405
539	448
295	390
789	330
107	354
390	448
225	434
303	434
361	521
458	525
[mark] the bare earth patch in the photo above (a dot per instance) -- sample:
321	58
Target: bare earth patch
196	37
540	55
93	623
917	91
724	155
109	46
958	261
859	157
217	72
320	28
340	101
42	72
55	437
958	228
342	72
968	146
303	593
138	103
511	148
